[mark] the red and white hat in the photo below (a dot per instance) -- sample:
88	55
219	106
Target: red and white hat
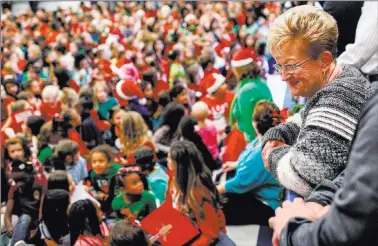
213	82
243	57
128	90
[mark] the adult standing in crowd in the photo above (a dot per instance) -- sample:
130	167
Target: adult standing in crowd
251	88
314	146
338	10
363	53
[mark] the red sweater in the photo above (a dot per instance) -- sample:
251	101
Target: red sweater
213	223
47	112
219	107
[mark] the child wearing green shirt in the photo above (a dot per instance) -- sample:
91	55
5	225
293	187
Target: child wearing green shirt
134	203
101	174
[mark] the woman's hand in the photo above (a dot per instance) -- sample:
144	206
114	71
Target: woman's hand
229	166
269	146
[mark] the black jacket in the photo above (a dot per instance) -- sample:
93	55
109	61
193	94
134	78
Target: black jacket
346	14
353	195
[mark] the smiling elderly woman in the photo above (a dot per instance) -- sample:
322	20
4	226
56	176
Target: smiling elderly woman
314	145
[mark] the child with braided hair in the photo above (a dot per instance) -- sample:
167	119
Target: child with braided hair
134	202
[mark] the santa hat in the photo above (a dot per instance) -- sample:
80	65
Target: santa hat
128	90
213	82
126	72
243	57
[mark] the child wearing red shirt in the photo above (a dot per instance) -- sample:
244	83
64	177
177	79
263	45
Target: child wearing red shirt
218	99
192	192
50	102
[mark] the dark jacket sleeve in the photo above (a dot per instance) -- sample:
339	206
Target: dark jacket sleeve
325	192
353	216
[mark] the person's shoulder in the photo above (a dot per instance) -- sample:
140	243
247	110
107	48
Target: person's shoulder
46	151
352	79
349	88
113	100
119	199
147	195
114	168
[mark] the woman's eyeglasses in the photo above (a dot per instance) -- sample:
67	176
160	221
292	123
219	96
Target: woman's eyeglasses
289	68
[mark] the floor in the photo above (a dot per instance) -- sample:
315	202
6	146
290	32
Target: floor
250	235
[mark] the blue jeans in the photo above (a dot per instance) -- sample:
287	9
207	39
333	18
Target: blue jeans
21	230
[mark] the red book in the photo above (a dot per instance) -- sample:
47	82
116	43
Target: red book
181	229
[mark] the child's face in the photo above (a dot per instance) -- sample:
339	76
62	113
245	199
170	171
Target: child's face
71	161
50	101
12	89
182	98
133	184
101	94
148	92
100	163
35	88
16	151
118	118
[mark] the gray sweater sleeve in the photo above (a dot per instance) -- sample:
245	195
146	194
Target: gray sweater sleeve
314	157
353	216
286	132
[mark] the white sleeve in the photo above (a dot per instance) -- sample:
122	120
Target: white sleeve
366	40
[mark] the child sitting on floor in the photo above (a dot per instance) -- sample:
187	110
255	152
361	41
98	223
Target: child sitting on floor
101	174
156	176
206	128
51	104
134	203
67	157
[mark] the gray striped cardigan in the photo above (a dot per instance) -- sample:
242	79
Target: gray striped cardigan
319	136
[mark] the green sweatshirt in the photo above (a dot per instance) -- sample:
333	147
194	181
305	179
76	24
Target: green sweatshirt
143	207
248	93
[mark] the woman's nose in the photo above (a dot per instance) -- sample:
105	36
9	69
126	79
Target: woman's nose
284	75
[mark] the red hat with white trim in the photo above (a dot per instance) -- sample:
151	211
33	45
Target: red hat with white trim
128	90
243	57
213	82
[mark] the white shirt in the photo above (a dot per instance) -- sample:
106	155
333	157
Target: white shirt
363	53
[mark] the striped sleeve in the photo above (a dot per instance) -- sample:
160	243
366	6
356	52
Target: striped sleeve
320	151
333	121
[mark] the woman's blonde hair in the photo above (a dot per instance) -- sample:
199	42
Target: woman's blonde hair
101	85
134	131
69	98
306	25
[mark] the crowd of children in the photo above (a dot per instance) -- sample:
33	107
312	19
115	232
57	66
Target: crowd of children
110	112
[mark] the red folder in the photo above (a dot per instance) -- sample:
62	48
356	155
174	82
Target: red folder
181	229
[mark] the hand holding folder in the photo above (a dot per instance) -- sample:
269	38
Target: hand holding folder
170	227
